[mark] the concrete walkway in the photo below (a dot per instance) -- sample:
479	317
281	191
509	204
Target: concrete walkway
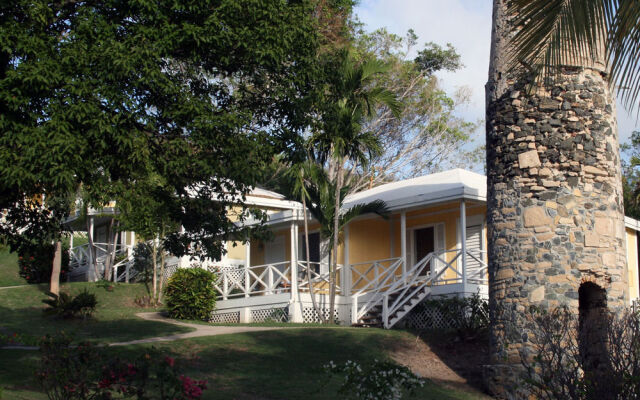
13	287
200	330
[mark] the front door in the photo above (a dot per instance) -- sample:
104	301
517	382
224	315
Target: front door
424	240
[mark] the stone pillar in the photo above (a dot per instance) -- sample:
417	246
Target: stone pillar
554	200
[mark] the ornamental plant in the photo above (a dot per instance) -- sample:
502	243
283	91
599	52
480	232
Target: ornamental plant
35	263
190	294
66	306
88	372
381	380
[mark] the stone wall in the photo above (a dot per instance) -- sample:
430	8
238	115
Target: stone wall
555	214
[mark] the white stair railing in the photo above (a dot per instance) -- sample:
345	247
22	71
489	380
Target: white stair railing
407	295
386	278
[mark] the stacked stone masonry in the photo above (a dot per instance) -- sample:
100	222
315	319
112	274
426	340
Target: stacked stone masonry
555	204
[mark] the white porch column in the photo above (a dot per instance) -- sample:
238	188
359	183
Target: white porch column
345	276
463	241
91	251
247	264
295	310
294	261
403	241
71	240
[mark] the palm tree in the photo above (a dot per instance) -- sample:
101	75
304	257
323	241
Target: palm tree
297	188
325	208
555	214
353	99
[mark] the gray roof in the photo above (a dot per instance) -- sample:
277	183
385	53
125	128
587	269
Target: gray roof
440	187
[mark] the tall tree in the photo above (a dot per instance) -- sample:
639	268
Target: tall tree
201	93
555	214
341	138
428	135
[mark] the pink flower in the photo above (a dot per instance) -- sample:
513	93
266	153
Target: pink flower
169	361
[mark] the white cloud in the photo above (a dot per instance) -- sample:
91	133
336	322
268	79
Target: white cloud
466	24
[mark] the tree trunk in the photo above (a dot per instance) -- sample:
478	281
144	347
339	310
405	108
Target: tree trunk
91	248
54	284
336	237
162	262
554	199
111	248
309	278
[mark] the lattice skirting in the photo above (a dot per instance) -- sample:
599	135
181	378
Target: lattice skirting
428	317
309	315
275	314
168	271
226	318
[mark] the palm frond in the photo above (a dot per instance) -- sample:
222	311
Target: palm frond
558	32
553	33
624	49
378	207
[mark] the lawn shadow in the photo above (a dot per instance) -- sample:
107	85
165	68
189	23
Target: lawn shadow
31	321
465	357
285	363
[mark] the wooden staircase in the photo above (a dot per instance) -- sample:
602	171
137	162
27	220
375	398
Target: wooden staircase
389	304
374	319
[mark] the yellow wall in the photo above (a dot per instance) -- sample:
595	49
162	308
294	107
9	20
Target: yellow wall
370	237
238	252
632	263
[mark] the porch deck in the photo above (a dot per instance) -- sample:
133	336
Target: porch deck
269	291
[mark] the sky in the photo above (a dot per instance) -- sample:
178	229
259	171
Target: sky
466	24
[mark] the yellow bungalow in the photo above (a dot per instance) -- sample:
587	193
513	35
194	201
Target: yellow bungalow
386	266
432	243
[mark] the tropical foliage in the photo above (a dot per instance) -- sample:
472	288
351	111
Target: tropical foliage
572	32
100	96
427	135
190	294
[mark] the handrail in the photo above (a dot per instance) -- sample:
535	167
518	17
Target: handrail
316	277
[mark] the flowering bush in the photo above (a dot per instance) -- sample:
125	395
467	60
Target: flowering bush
382	380
35	263
17	339
85	372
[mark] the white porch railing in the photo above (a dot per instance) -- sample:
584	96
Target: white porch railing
318	278
375	275
80	256
255	280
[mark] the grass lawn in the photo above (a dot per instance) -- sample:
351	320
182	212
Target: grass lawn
9	269
114	319
283	364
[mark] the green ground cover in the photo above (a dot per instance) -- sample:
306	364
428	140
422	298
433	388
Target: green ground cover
9	269
283	364
114	319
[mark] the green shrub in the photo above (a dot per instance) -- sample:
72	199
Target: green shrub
35	263
467	316
190	294
66	306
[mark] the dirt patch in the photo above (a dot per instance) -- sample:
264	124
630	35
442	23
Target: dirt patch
448	362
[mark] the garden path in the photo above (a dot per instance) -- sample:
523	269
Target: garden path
200	330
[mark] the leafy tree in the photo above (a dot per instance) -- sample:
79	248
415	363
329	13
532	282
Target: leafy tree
104	94
631	177
426	136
